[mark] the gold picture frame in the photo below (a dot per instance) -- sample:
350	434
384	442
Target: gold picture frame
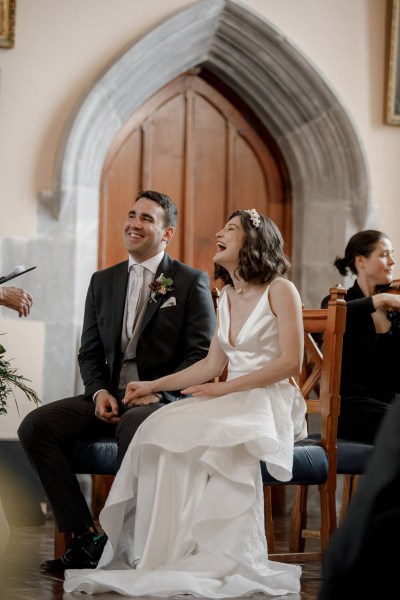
7	23
393	96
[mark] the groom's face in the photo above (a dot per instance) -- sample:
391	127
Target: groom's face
144	231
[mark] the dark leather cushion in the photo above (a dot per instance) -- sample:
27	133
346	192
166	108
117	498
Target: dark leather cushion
310	465
352	457
97	457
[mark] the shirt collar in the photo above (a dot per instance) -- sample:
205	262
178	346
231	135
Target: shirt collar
151	264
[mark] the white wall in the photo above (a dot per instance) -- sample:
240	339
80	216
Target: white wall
347	41
61	47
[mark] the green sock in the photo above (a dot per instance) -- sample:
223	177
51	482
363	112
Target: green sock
86	531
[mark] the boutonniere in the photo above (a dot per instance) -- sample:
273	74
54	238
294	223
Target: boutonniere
160	286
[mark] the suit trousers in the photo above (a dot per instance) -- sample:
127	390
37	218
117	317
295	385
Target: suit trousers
47	432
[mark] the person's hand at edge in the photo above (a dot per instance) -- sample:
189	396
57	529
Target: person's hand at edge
16	299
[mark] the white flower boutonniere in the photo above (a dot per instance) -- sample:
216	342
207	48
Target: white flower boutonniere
159	287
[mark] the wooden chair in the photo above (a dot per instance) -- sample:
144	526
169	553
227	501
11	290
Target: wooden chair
352	460
315	460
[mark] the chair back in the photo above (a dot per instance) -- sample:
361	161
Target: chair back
319	380
315	458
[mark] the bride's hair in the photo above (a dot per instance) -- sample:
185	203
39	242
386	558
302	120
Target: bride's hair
262	256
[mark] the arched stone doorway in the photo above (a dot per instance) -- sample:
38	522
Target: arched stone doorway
314	133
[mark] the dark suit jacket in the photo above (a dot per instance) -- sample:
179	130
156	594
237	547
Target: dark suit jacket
171	338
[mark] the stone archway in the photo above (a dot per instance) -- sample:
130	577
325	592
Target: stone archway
323	156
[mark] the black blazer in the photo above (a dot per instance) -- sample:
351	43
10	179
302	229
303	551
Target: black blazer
369	361
171	338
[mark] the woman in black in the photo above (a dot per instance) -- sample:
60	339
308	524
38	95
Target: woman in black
370	379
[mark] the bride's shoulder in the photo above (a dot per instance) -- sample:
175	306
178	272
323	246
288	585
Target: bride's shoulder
284	298
281	286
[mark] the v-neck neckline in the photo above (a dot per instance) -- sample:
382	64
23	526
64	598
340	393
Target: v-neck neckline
234	344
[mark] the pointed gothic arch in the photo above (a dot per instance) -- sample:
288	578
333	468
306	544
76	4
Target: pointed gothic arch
289	96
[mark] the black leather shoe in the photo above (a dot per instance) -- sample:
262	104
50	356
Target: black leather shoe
80	554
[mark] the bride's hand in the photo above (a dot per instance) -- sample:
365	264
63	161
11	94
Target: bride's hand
135	390
207	389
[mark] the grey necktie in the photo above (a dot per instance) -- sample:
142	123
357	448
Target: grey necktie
134	298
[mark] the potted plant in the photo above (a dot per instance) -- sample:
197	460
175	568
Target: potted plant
10	379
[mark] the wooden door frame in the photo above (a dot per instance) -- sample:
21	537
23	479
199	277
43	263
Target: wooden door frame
202	83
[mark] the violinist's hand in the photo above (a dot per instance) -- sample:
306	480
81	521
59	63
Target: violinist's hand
386	301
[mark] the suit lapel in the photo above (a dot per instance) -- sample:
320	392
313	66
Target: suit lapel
120	285
165	267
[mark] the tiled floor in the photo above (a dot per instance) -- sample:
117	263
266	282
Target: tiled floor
21	579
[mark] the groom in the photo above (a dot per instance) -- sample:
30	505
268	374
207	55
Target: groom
144	318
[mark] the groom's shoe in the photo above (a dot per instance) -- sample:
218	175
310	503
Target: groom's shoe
82	553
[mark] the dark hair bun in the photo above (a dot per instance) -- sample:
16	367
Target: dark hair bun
341	265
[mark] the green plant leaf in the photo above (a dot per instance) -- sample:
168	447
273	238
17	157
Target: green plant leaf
11	380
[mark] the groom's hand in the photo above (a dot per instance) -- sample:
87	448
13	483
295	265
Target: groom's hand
106	407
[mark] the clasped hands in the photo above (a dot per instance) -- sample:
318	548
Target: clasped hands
140	393
107	408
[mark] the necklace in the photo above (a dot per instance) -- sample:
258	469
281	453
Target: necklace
240	290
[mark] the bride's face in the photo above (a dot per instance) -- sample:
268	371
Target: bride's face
229	243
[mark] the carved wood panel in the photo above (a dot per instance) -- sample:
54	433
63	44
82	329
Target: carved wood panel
190	142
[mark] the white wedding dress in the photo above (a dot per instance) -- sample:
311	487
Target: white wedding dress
185	512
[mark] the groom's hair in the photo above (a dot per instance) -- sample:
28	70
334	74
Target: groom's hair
170	210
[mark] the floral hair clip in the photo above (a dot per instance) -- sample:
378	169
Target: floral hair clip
254	216
159	287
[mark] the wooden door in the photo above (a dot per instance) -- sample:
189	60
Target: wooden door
190	142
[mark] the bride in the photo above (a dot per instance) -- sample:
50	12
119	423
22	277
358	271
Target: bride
185	512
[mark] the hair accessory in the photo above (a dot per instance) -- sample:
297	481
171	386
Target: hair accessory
254	216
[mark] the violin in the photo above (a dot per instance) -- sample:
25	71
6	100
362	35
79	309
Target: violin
393	288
